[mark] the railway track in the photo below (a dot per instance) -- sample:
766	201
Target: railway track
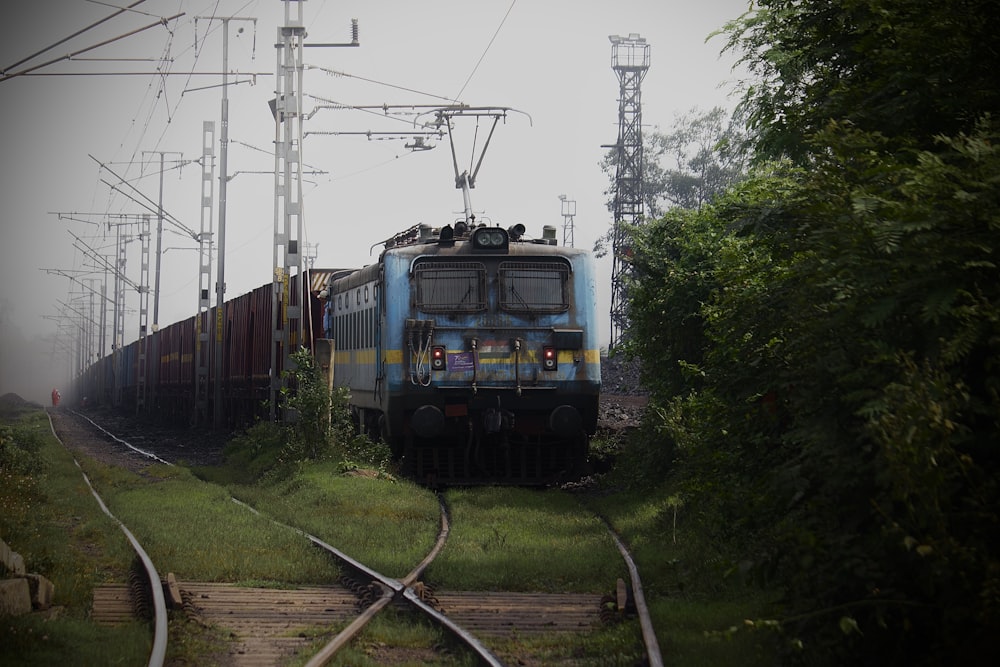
151	583
267	626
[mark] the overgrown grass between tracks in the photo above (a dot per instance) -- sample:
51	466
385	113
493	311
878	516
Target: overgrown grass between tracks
515	539
388	525
196	531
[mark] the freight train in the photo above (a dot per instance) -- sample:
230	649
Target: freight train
171	374
471	349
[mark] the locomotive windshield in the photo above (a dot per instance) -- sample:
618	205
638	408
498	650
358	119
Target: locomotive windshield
538	287
445	287
521	287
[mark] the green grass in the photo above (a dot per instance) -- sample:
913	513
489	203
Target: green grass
507	538
388	525
618	645
48	515
704	613
196	531
502	538
68	641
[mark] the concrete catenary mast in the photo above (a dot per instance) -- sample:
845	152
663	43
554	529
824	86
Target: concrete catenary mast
286	318
289	313
205	243
630	60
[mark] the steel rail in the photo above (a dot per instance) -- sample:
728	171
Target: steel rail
653	655
158	652
392	588
337	643
114	437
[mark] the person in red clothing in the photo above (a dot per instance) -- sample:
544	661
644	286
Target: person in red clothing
55	398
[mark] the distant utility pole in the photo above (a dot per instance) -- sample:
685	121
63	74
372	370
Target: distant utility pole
148	204
220	284
97	344
154	352
205	241
630	60
159	239
121	281
311	251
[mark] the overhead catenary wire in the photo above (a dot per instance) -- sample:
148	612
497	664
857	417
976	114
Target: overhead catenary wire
75	34
143	127
155	207
70	56
334	72
161	76
485	51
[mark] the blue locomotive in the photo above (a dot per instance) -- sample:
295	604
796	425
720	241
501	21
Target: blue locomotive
472	350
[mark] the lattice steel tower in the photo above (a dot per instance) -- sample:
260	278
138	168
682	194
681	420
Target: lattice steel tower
630	60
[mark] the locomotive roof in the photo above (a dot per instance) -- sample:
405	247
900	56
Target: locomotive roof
457	240
423	241
463	247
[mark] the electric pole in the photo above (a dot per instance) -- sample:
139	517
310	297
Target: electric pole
218	411
288	311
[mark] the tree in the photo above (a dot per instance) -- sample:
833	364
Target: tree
699	158
907	69
823	341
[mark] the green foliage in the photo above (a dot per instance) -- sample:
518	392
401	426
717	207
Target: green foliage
702	154
907	69
319	428
252	453
822	346
22	474
19	447
48	515
822	343
308	401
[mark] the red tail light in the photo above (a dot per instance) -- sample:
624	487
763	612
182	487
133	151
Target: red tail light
549	359
438	358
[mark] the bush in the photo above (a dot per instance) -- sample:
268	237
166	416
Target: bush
319	428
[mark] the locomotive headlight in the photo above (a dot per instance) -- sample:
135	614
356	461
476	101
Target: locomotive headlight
490	239
438	358
550	358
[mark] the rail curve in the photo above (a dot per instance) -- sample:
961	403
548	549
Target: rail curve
158	652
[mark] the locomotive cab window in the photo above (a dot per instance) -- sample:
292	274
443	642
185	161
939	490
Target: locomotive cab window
446	287
538	287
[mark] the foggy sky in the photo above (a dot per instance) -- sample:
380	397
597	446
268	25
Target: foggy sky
548	59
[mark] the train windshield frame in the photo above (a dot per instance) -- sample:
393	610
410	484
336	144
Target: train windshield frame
534	287
446	287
